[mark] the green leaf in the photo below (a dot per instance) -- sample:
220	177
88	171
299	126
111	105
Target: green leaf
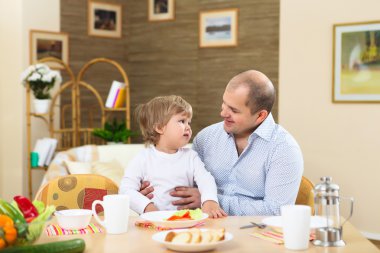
114	131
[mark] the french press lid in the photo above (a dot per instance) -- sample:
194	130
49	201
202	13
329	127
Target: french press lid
326	188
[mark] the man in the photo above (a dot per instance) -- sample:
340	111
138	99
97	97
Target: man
257	164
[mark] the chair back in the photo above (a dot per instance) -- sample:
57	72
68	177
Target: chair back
76	191
305	194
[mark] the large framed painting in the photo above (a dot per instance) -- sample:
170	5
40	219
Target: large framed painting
160	10
218	28
104	19
356	68
49	44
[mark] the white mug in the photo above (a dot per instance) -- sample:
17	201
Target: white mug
296	226
116	213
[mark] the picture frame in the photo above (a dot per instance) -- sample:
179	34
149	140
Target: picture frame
104	19
356	62
49	44
218	28
161	10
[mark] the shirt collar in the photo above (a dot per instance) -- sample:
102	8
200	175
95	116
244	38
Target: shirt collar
265	130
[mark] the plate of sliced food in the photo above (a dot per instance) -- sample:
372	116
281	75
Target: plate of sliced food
176	219
193	239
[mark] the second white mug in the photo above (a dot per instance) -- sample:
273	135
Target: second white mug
296	226
116	213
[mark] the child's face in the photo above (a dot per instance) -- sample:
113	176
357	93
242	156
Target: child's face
177	132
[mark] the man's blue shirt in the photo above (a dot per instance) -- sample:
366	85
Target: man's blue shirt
265	176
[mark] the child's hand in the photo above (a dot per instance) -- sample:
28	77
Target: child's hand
150	208
213	209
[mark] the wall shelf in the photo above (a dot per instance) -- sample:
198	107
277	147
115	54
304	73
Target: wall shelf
75	134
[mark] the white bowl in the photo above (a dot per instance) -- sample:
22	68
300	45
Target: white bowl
73	218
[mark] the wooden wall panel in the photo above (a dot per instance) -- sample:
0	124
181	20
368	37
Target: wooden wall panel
163	58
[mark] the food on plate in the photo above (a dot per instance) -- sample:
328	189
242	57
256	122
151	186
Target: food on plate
196	236
186	214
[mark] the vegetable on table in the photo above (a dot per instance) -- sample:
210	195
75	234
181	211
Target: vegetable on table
8	233
69	246
19	221
26	207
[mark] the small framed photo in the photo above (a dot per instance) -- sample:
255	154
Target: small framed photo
356	68
104	19
160	10
218	28
49	44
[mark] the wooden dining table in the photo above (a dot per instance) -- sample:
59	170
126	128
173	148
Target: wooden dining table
139	239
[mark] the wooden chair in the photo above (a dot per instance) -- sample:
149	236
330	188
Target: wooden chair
305	194
76	191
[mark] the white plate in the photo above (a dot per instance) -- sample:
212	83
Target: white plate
158	218
187	247
315	221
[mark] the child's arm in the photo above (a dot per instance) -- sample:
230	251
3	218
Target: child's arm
213	209
131	183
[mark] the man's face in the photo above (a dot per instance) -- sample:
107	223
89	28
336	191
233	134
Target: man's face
237	116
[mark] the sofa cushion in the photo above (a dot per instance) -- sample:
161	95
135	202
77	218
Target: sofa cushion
123	153
112	169
75	167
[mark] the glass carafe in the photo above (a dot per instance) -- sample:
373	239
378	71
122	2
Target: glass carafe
326	201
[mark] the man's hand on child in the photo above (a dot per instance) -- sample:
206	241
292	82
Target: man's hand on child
145	190
213	209
190	198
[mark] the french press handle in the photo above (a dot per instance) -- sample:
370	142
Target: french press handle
351	209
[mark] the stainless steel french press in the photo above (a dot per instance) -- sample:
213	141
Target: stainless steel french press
326	202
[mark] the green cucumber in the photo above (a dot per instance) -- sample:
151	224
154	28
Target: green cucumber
69	246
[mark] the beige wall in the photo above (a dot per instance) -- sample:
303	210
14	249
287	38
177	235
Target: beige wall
16	20
11	99
340	140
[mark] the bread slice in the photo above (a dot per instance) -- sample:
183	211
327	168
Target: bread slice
195	235
182	237
217	234
169	236
207	236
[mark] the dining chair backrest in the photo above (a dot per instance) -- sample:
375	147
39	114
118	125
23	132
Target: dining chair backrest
305	194
76	191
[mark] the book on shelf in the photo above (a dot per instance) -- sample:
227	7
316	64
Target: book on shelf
45	149
120	99
115	95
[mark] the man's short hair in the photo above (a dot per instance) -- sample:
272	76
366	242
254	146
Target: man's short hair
261	95
157	113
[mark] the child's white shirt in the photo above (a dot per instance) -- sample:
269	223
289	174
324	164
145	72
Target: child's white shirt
165	172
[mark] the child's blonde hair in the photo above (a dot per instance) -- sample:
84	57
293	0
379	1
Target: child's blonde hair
157	113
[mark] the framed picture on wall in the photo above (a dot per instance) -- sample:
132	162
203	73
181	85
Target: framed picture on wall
218	28
160	10
49	44
104	19
356	68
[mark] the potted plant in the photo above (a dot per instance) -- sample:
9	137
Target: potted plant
114	132
41	79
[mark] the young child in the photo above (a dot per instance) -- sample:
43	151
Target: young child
166	163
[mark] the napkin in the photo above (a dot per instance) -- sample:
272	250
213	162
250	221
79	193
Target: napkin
54	229
274	236
147	224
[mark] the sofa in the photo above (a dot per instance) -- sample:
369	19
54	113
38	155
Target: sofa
106	160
